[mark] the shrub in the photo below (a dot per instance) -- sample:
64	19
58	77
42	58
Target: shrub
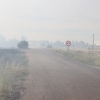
23	45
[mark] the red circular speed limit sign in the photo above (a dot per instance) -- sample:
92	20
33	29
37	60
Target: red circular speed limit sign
68	43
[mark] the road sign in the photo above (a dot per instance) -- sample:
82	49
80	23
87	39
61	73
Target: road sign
68	43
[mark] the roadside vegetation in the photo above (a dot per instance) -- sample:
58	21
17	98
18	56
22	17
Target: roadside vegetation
23	45
13	70
88	57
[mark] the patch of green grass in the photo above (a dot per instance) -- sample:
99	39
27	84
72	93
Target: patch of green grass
91	58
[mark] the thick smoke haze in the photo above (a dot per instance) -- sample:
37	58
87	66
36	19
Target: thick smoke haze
50	19
13	43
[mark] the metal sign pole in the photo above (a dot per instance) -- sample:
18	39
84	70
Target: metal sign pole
93	44
67	48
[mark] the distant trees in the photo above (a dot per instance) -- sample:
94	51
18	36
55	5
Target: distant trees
58	44
8	43
23	45
80	44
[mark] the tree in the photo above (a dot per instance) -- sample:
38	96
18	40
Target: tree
49	46
59	44
23	45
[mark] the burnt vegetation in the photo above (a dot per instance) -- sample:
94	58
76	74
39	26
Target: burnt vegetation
13	70
12	57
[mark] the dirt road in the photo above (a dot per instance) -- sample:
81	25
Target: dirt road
55	77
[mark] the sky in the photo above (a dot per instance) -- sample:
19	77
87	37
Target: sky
50	19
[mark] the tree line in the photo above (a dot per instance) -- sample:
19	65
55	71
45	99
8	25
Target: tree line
15	43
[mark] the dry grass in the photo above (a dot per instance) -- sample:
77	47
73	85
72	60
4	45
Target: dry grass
88	57
12	72
8	77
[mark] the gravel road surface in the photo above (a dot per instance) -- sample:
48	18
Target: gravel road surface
55	77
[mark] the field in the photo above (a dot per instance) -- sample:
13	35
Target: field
13	70
88	57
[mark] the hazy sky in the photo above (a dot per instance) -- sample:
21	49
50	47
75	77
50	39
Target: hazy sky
50	19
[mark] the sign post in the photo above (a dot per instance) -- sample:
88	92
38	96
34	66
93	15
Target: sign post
68	43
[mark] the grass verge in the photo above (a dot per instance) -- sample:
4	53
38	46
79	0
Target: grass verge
11	82
91	58
13	71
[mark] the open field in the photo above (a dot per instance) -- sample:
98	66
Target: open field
88	57
13	70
